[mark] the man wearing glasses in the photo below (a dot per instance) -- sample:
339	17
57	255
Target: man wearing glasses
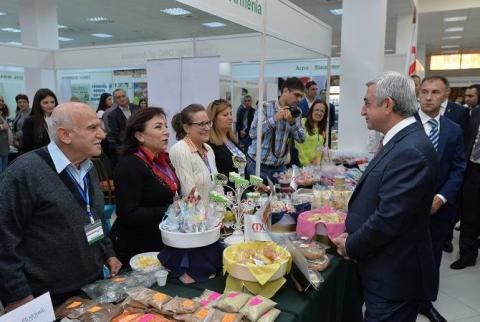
281	124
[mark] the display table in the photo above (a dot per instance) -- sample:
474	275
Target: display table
338	298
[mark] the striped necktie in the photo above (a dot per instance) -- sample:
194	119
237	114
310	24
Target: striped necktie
434	133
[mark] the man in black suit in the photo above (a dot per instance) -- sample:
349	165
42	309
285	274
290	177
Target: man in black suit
470	197
117	121
447	139
389	212
331	115
245	115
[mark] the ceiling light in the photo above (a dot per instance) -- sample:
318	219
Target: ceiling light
176	11
449	51
450	46
389	50
100	35
454	29
11	29
61	27
99	19
3	14
16	43
65	39
336	12
452	37
334	46
213	24
455	19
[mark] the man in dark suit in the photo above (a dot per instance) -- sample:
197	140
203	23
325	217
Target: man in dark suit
331	115
311	92
447	139
388	218
245	114
117	121
470	197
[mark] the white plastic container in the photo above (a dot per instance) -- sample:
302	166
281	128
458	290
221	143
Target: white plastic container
190	240
161	276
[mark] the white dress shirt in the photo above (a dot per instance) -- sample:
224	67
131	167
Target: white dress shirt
397	128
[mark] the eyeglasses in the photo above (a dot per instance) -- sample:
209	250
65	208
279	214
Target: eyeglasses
203	125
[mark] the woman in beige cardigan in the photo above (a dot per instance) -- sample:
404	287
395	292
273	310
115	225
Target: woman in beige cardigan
192	157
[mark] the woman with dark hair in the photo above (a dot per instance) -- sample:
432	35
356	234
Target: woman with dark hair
35	131
145	185
143	103
105	102
191	155
222	139
23	111
310	151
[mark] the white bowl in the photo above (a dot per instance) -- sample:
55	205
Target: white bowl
134	265
190	240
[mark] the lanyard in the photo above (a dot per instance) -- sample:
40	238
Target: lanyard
205	160
83	193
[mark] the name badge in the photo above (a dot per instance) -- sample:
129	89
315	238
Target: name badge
94	232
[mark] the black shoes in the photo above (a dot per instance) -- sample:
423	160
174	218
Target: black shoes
433	315
461	263
448	247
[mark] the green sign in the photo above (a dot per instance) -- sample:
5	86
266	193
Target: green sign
251	5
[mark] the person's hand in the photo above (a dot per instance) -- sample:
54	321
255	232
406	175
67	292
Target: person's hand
193	196
290	119
436	204
5	126
340	242
114	265
282	113
261	188
12	306
243	133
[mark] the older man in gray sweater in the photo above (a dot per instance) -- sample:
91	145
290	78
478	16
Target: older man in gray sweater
51	214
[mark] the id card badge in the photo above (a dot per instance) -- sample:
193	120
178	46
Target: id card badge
94	232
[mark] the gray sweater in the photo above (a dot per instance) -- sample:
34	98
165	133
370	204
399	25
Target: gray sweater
43	246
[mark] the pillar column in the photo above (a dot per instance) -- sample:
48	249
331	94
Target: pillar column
38	22
362	57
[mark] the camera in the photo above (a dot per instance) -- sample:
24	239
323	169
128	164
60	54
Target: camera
295	111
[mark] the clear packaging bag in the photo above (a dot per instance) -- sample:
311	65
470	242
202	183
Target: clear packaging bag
256	307
232	302
209	298
149	297
100	313
219	316
180	305
270	316
74	303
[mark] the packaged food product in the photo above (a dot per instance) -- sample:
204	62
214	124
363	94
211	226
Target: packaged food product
127	316
77	311
180	305
233	301
153	317
270	316
311	250
209	298
147	297
319	264
201	315
219	316
100	313
133	306
256	307
71	304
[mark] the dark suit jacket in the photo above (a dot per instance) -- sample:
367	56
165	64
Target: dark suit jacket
388	219
472	131
240	114
116	124
459	114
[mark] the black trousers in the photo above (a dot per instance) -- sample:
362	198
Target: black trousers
470	213
380	309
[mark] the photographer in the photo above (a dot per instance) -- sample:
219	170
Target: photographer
281	125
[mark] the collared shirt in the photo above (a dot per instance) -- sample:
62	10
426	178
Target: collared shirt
443	107
428	127
61	162
397	128
310	102
126	111
425	118
274	154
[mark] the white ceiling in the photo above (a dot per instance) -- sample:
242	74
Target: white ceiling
141	20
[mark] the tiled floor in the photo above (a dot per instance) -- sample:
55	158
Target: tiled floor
459	296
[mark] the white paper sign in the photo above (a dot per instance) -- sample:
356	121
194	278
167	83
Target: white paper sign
255	228
38	310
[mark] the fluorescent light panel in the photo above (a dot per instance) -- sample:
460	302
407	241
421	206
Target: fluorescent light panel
214	24
3	14
454	29
62	27
389	50
15	43
11	29
452	37
455	19
336	12
65	39
450	46
176	11
98	19
100	35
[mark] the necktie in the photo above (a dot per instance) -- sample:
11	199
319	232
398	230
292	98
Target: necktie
434	133
475	155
